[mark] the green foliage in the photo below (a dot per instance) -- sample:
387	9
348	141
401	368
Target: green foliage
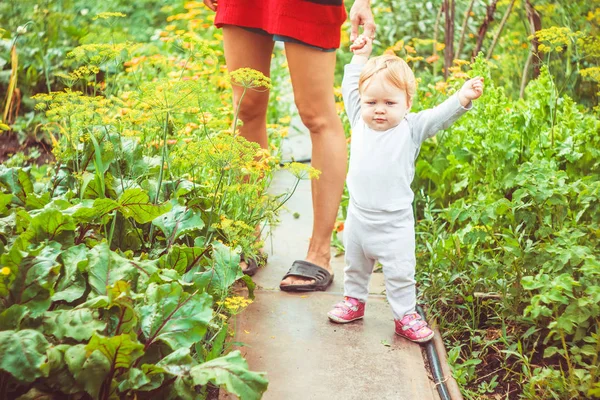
508	203
117	265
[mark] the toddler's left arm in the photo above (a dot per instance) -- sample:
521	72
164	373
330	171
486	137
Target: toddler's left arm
426	123
470	90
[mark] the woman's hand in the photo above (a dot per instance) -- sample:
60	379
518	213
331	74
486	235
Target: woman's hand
212	4
361	15
362	46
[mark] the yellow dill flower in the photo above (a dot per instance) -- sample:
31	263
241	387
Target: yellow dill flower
250	79
5	271
593	73
410	49
441	86
413	59
107	15
302	171
461	62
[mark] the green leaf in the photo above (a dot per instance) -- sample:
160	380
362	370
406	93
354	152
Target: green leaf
121	351
36	277
50	224
59	376
79	324
179	221
35	201
178	363
174	316
5	200
23	354
135	380
180	258
11	261
123	317
226	270
232	372
88	369
106	267
136	204
18	181
100	208
11	317
71	285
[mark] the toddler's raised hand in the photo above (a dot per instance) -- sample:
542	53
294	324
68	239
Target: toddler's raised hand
362	46
471	90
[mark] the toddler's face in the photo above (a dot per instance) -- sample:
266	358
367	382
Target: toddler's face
383	105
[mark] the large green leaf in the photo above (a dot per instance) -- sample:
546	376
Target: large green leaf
121	351
10	264
95	211
180	258
178	363
174	316
35	201
18	181
36	277
224	272
179	221
11	317
71	285
232	372
5	200
136	204
23	354
106	267
59	377
88	369
79	324
50	224
122	315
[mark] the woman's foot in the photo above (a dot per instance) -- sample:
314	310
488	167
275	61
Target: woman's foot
299	280
413	328
348	310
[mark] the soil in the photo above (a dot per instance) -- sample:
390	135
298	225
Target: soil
9	145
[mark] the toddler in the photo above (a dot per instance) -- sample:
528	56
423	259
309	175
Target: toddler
386	139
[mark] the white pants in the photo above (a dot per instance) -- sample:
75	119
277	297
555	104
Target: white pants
388	237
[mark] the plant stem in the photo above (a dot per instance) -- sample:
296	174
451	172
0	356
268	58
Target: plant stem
500	28
568	359
161	170
463	30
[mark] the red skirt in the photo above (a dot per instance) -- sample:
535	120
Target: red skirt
315	22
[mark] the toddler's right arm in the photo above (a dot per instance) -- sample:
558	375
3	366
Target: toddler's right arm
361	48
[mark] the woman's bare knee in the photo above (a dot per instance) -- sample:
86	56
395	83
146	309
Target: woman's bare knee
253	105
317	120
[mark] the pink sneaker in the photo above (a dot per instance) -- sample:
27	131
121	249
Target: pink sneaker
346	311
412	327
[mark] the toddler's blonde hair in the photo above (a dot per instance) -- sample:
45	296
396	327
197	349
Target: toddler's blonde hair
393	69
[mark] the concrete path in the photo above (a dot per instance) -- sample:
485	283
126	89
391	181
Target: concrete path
306	356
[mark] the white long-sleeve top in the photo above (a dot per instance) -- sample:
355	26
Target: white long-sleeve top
382	163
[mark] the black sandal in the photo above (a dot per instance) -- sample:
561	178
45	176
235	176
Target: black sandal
322	277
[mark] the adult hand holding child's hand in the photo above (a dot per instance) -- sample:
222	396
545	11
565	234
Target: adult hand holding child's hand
362	46
470	90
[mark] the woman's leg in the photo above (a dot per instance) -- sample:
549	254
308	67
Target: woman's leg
245	49
312	73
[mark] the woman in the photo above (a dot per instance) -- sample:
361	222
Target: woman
311	32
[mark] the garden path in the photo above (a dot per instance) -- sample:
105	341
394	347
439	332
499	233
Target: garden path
307	357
